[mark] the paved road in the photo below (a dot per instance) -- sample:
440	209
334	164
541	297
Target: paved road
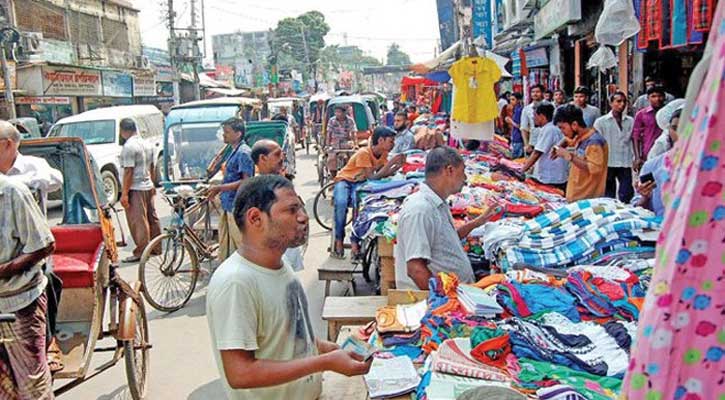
182	365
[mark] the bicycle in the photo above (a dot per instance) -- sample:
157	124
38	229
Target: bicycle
169	266
324	175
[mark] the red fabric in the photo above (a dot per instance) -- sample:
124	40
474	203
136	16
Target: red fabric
493	351
76	249
417	80
703	13
437	103
653	9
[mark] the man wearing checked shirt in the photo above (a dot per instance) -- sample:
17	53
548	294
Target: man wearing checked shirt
238	167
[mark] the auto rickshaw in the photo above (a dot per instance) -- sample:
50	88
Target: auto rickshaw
86	259
364	122
192	135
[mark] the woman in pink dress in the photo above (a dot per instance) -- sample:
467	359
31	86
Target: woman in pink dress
679	352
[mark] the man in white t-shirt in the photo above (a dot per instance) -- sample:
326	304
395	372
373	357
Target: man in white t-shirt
257	310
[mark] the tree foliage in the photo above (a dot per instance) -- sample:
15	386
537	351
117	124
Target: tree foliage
396	56
346	57
288	43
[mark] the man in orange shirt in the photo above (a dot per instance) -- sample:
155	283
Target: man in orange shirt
588	159
370	162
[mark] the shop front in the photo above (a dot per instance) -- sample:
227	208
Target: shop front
117	90
58	90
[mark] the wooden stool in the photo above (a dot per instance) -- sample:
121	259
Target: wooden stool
337	270
343	310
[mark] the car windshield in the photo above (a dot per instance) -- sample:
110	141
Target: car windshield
92	132
195	145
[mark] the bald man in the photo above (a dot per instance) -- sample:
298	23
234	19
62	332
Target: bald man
268	157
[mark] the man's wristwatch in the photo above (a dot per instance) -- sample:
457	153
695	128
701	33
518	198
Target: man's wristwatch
569	156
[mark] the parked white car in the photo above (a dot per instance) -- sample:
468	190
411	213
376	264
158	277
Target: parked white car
100	131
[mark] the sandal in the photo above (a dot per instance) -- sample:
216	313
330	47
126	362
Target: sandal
55	362
337	255
356	258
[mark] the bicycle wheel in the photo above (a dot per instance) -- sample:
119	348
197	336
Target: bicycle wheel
324	209
136	354
168	271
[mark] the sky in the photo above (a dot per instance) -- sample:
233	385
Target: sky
369	24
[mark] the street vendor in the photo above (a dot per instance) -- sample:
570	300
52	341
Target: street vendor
588	159
341	132
239	166
257	309
370	162
25	242
428	241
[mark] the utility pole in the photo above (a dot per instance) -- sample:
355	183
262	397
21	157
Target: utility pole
8	37
195	54
172	45
308	65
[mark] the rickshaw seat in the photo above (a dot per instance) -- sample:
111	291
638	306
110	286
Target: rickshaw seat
76	249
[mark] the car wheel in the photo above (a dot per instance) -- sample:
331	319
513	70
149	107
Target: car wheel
111	186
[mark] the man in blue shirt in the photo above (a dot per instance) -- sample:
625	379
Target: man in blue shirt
239	166
517	140
548	171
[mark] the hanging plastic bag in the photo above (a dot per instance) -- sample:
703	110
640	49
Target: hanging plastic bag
617	23
603	59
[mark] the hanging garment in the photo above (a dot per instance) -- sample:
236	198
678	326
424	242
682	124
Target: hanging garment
681	341
702	16
475	100
679	23
653	10
695	36
477	131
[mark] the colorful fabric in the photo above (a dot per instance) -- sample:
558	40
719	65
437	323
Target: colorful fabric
585	346
531	374
681	338
525	300
702	17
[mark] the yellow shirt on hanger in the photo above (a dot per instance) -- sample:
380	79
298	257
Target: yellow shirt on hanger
475	100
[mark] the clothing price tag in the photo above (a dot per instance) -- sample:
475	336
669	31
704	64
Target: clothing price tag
473	82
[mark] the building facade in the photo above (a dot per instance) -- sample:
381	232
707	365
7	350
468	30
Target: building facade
247	53
77	55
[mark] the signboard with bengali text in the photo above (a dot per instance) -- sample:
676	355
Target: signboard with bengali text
70	81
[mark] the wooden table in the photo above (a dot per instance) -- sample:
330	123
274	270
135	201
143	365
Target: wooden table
338	387
359	310
337	270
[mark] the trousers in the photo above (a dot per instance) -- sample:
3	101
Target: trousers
143	222
623	176
344	194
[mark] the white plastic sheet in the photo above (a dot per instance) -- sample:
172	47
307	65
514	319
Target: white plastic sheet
617	23
603	59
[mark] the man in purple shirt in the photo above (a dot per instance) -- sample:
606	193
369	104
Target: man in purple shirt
646	130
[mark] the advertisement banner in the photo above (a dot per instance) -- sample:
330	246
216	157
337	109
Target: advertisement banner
446	23
482	21
117	84
69	81
165	89
144	85
537	57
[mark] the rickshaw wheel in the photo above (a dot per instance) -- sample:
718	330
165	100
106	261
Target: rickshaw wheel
136	354
325	215
169	278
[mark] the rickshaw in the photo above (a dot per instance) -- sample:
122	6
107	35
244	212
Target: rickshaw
275	105
86	259
364	121
373	103
315	116
192	135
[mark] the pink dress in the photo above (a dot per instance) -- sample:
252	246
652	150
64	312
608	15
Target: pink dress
679	351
